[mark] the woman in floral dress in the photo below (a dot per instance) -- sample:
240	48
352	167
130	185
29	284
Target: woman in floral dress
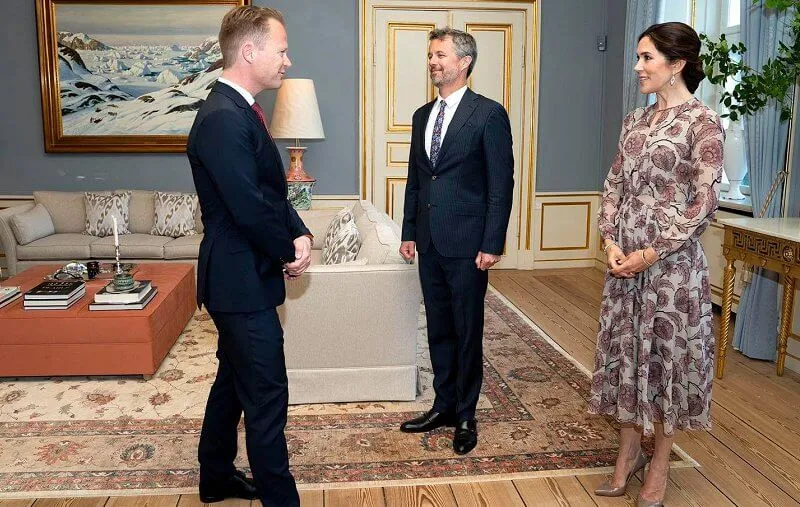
655	348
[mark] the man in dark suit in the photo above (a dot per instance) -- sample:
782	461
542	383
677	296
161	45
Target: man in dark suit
253	239
458	200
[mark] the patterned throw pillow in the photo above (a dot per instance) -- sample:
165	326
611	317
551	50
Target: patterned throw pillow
100	208
174	214
345	246
344	216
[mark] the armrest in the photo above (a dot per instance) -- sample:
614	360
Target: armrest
362	316
8	242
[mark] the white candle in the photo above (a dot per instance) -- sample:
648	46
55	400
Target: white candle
116	234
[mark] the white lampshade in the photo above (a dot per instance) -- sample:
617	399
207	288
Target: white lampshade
296	113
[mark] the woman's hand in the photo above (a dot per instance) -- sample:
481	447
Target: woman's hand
634	263
615	257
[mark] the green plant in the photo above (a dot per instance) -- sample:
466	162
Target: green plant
755	88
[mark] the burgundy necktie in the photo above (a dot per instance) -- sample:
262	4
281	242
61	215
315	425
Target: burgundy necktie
261	115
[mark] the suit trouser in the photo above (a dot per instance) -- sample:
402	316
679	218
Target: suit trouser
454	290
251	378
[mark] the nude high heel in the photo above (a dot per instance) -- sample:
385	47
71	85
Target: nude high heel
606	489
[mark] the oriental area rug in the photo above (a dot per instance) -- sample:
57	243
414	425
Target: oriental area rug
79	436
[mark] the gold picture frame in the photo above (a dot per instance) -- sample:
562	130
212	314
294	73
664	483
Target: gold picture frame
123	76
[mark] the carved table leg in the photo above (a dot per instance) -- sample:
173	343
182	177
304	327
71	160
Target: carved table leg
786	320
727	301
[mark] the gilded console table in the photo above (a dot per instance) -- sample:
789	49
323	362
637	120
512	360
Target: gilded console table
770	243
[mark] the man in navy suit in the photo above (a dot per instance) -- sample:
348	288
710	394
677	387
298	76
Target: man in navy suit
253	239
458	201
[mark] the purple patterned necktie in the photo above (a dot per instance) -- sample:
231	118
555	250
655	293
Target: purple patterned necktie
436	140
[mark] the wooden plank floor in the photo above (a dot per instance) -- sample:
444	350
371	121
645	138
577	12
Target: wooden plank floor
750	458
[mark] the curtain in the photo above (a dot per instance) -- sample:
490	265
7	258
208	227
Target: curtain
640	15
756	330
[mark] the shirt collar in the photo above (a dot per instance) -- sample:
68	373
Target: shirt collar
453	99
244	93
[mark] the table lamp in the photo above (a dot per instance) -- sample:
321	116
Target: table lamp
296	116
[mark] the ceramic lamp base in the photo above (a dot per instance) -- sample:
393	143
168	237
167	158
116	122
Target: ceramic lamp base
300	194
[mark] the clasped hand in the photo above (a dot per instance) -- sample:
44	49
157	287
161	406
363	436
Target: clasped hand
625	266
302	256
483	261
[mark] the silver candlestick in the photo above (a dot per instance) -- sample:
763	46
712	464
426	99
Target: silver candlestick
122	280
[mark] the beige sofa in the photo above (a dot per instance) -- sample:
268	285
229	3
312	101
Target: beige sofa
350	330
68	213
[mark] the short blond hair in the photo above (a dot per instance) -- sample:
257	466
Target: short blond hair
241	23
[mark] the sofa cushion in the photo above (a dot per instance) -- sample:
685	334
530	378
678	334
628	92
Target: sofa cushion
32	225
317	221
131	246
198	219
342	217
174	214
57	246
186	247
141	210
345	246
100	208
371	247
66	209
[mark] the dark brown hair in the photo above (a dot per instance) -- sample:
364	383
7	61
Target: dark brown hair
679	41
241	23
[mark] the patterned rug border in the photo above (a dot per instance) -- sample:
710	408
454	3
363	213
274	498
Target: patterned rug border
338	485
688	461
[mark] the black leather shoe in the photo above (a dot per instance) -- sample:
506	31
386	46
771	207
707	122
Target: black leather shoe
466	437
236	486
427	422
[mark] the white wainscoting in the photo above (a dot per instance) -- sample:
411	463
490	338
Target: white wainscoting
565	229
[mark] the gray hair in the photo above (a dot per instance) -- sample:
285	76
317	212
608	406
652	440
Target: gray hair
463	43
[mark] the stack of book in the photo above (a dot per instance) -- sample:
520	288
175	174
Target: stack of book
8	295
137	298
54	295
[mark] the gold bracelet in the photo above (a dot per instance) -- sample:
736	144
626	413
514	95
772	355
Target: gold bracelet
605	248
644	259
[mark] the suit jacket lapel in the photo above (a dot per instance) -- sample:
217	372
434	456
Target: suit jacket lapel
464	111
425	114
252	116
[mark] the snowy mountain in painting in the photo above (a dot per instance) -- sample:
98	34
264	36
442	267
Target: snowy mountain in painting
208	50
169	110
80	41
136	89
80	88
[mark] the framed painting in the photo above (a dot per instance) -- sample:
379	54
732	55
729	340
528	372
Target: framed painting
126	76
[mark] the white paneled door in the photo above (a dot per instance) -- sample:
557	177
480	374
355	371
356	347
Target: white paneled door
396	83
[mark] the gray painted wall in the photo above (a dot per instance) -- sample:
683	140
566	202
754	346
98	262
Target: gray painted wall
578	84
330	58
571	95
612	105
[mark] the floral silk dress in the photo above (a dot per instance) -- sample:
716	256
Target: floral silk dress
655	348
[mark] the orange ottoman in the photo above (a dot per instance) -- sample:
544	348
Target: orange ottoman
81	342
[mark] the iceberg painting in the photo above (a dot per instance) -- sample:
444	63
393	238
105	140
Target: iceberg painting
126	76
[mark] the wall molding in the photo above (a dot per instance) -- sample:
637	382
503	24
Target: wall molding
566	226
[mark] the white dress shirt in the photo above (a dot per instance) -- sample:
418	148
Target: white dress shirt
449	110
247	95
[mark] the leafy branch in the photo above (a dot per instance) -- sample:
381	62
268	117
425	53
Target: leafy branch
755	88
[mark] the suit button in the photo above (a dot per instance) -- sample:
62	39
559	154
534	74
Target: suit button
433	177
